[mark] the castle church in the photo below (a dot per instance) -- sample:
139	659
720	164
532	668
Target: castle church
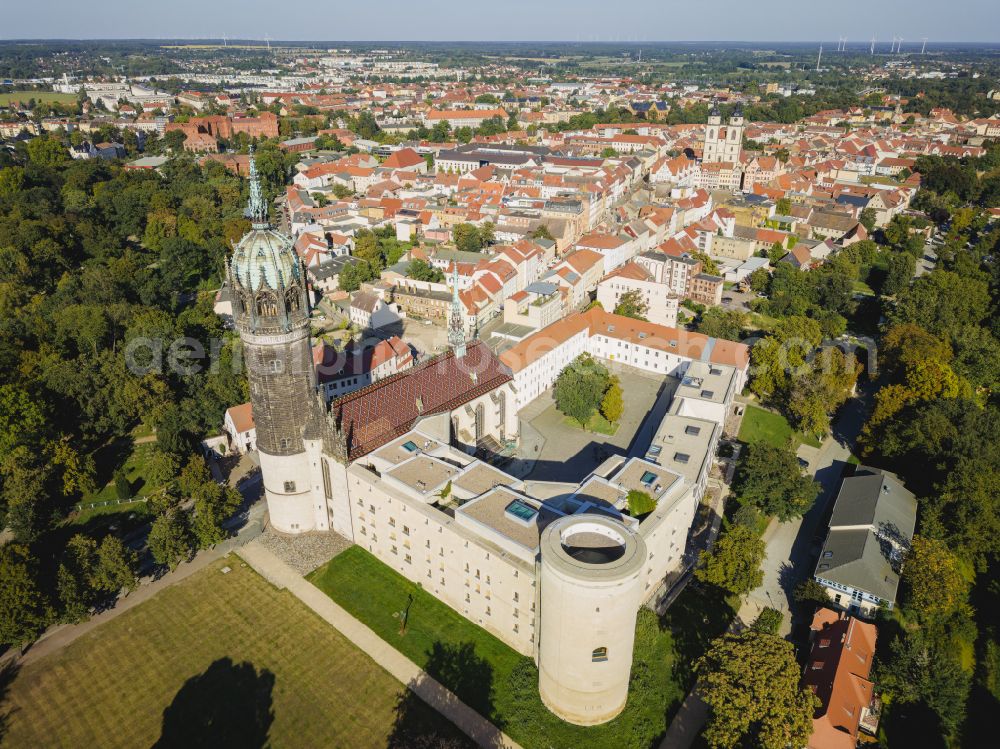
403	469
464	396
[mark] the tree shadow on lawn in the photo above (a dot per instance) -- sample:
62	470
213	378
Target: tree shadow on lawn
465	674
229	705
8	672
699	615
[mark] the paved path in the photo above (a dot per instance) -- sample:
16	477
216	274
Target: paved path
687	723
402	668
790	546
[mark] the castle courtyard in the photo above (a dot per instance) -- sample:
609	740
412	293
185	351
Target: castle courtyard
555	448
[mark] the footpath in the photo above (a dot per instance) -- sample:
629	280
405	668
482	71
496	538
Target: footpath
431	691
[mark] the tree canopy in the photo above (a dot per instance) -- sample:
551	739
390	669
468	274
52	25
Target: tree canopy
751	684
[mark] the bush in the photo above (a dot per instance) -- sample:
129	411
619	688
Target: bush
747	515
810	591
768	622
123	489
640	503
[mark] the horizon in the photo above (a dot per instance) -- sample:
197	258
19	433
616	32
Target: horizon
581	21
236	40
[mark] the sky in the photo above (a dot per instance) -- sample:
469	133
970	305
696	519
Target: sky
508	20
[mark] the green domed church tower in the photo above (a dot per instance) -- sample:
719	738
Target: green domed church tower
271	310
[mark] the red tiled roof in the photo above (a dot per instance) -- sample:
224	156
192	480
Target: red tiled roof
242	417
837	672
377	414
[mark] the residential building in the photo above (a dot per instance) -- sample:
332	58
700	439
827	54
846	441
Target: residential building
837	671
870	531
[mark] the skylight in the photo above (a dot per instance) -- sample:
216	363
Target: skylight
410	446
682	457
521	510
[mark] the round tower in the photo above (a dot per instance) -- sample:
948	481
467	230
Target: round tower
590	588
271	310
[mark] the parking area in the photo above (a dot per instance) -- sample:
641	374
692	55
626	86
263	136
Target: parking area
737	300
554	449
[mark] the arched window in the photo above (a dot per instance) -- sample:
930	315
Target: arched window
267	305
292	300
599	655
480	422
277	366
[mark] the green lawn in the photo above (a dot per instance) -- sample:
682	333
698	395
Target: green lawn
860	287
216	660
109	458
760	425
597	424
494	679
38	96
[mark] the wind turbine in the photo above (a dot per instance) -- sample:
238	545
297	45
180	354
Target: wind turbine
873	44
899	46
819	57
267	39
923	47
225	42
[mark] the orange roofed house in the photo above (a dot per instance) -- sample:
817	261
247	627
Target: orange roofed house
837	672
240	427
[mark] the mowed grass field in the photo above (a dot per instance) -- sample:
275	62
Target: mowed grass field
44	97
110	687
759	425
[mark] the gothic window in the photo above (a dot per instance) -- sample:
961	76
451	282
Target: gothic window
292	300
277	366
480	422
711	134
285	443
327	489
503	413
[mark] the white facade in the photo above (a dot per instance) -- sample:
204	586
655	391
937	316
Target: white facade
661	303
591	574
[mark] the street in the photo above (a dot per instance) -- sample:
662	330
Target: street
791	546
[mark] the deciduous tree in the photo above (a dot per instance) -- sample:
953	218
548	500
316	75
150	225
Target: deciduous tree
170	538
23	608
733	564
935	586
751	683
770	479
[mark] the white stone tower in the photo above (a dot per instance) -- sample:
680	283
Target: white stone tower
271	309
590	588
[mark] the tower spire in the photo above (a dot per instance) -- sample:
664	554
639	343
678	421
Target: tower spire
456	328
256	207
